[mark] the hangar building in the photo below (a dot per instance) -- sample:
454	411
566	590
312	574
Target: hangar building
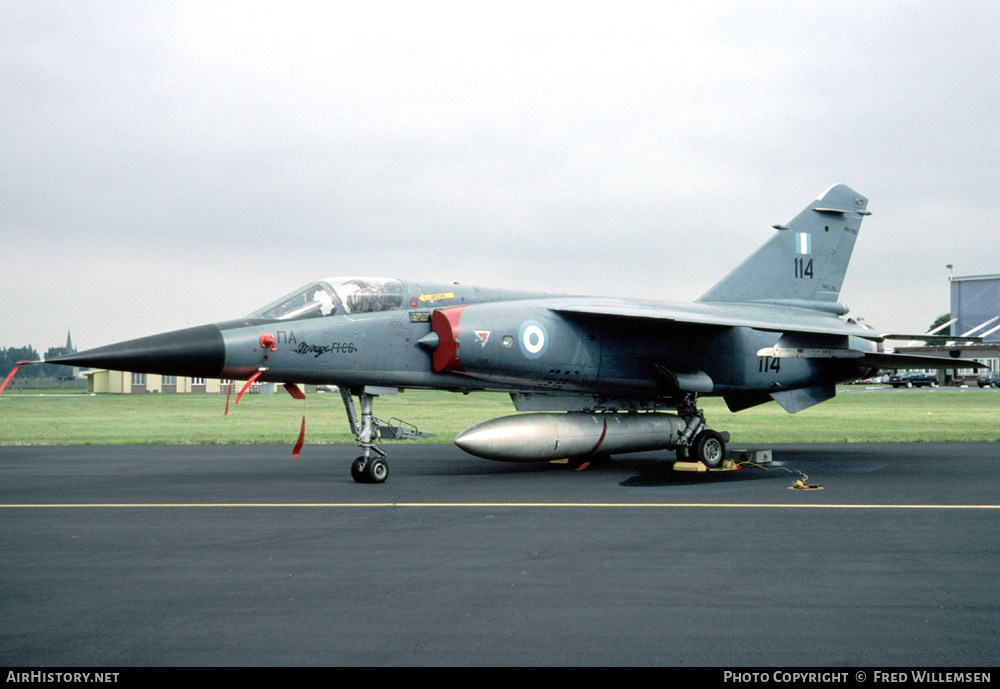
975	302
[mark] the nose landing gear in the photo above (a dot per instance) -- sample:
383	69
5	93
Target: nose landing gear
365	469
371	466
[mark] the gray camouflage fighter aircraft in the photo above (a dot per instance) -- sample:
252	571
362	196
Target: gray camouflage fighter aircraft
597	372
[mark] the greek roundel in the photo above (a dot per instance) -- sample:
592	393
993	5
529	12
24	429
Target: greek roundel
533	339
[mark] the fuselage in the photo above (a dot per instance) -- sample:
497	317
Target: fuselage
467	338
370	331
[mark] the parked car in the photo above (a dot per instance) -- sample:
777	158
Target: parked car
989	379
875	380
912	380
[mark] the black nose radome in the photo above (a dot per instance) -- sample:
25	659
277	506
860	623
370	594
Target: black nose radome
196	352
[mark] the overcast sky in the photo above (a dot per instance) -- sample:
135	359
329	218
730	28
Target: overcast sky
169	164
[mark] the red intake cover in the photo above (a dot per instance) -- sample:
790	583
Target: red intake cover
444	322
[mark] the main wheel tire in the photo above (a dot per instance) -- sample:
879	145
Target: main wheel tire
709	448
377	471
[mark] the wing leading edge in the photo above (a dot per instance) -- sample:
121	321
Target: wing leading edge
768	317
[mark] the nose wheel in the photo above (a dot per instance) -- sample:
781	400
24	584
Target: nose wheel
367	470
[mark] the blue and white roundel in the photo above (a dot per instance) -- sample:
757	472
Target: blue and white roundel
533	339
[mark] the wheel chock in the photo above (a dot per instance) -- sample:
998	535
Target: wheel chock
726	465
690	466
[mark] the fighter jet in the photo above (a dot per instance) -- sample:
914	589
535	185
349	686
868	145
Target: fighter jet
600	375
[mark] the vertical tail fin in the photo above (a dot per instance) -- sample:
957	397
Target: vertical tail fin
806	260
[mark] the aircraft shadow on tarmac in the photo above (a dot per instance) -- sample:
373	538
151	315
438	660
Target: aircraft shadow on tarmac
640	472
662	474
649	470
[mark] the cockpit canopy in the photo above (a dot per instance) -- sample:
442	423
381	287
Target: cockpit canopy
336	295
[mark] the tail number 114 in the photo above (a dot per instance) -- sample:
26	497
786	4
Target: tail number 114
768	364
803	268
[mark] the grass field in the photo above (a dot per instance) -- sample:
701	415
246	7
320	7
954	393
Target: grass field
855	415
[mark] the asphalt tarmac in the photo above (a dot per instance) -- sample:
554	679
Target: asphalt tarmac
240	555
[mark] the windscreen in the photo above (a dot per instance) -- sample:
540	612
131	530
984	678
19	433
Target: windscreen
353	295
313	301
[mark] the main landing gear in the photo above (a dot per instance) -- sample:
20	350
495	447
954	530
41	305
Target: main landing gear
698	442
371	466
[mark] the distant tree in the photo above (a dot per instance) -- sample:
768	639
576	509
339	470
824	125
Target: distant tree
11	355
939	321
56	370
